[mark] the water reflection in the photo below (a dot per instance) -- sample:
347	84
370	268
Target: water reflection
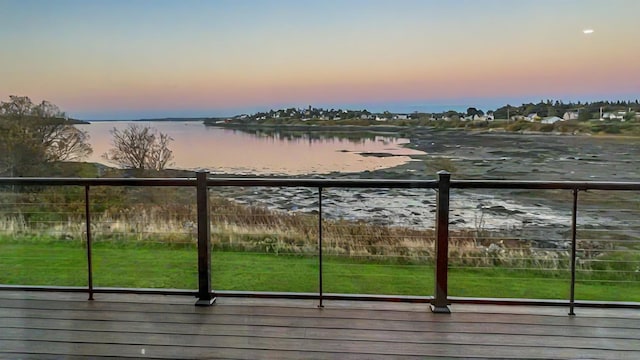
219	150
355	137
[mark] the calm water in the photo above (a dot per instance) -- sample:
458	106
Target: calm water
196	146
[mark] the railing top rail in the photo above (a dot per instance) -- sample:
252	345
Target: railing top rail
547	185
283	182
326	183
42	181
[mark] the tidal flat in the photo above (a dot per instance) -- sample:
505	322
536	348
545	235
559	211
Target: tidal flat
541	216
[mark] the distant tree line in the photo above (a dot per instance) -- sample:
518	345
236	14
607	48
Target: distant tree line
587	110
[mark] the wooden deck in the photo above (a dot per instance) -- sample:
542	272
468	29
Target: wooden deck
45	325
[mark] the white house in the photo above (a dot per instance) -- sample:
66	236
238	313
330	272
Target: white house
619	115
483	117
400	117
570	115
550	120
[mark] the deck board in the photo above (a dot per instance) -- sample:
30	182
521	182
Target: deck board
53	325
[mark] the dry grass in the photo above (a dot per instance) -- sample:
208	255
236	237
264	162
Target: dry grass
239	227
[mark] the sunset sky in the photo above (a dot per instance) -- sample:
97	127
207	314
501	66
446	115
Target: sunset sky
133	59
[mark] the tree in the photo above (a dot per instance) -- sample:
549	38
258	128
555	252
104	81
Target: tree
584	115
472	111
32	135
140	147
630	116
505	112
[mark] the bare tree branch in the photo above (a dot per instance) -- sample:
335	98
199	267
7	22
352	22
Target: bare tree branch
138	147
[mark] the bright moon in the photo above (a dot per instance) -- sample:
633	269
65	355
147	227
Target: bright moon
588	31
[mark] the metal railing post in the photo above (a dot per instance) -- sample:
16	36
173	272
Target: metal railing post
87	218
440	303
204	241
574	225
320	305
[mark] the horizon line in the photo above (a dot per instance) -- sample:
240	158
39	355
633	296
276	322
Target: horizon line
392	108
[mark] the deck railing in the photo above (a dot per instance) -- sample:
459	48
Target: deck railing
443	186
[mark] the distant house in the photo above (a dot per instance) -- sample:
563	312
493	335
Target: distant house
570	115
618	115
550	120
483	117
532	117
367	117
381	118
400	117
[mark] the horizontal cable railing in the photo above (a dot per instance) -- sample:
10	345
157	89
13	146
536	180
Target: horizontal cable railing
411	240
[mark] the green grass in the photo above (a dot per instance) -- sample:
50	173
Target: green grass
156	265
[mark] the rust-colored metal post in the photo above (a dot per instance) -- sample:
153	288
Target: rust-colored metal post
440	303
574	225
205	297
320	292
87	218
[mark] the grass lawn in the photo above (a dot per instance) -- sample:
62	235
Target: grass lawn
63	263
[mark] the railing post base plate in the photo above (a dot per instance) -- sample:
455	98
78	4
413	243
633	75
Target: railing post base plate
440	309
206	302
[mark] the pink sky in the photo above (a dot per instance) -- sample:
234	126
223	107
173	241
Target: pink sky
120	59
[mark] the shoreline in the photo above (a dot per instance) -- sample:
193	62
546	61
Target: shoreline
397	129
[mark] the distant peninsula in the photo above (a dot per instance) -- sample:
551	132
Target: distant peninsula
600	117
